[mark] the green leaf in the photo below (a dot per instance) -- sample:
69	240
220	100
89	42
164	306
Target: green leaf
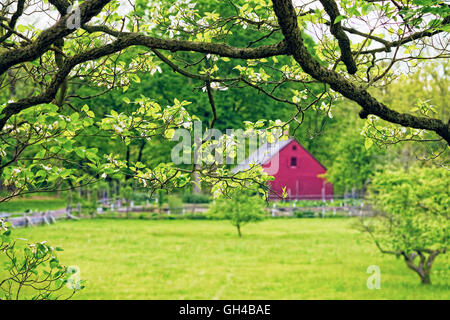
126	100
368	143
339	18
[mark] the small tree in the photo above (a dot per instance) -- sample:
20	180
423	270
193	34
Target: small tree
412	221
242	208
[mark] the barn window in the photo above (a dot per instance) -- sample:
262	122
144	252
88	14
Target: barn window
293	162
294	147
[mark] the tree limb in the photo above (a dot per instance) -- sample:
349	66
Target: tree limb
287	19
336	30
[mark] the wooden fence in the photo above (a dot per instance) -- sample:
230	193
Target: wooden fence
276	210
354	210
28	219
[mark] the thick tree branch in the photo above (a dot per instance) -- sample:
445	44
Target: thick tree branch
130	39
287	19
48	37
336	30
61	5
293	45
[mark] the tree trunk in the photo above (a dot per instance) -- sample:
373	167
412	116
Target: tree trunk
423	269
141	150
196	178
239	230
425	278
127	159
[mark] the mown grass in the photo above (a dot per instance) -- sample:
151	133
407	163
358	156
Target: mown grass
19	205
275	259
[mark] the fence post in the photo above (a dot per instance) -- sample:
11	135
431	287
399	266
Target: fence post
28	221
52	218
44	217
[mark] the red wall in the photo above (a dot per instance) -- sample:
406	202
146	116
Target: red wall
301	182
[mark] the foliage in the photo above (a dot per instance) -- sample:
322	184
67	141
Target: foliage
413	220
423	92
196	198
93	200
175	204
33	271
304	214
20	205
241	209
353	163
55	134
126	192
319	203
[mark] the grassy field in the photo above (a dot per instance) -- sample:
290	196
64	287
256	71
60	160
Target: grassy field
19	205
275	259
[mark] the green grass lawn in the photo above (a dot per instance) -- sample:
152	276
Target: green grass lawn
275	259
19	205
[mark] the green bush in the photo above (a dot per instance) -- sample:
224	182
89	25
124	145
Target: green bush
196	198
304	214
197	216
175	204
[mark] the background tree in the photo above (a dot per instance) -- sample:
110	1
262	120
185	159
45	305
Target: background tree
241	209
351	158
423	91
301	56
126	192
413	216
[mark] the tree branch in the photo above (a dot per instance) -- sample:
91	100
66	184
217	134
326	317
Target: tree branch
287	19
42	43
336	30
13	21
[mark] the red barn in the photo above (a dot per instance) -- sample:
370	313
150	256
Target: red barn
293	167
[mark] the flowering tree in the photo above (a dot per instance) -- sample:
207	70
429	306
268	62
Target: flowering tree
346	47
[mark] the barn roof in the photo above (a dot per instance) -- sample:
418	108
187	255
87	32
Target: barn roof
262	155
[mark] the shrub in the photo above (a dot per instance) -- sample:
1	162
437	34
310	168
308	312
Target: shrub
304	214
175	204
196	198
126	193
196	216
